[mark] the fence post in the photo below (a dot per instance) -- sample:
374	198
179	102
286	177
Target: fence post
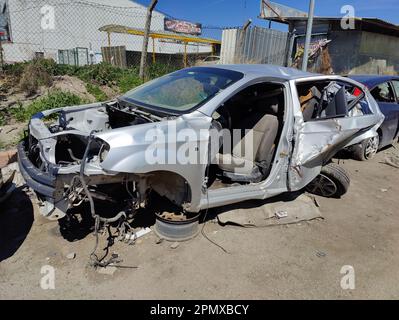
241	41
290	48
143	61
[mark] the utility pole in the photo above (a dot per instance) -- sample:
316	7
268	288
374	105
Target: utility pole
308	36
143	61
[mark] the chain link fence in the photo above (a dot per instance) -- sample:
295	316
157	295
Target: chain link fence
81	32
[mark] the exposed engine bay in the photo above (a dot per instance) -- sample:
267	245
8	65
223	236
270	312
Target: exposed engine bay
69	149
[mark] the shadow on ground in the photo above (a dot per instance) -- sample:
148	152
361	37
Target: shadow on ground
16	219
250	204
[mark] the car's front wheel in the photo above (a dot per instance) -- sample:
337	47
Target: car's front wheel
367	149
332	182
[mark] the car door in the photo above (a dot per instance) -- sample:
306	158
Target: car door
384	94
395	85
317	139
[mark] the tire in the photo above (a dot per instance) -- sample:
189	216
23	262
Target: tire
367	149
332	182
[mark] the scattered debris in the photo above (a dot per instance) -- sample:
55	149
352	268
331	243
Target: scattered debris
11	130
391	161
159	241
71	256
174	245
315	201
321	254
302	208
138	234
108	270
281	214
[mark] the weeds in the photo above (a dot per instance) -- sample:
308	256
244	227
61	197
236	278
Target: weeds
157	70
55	99
36	74
96	92
40	72
128	81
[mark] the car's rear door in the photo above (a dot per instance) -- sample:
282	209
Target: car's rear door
316	140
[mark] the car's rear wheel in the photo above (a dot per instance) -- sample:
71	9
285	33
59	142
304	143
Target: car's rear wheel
367	149
332	182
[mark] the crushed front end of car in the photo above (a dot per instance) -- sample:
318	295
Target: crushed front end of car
55	156
70	161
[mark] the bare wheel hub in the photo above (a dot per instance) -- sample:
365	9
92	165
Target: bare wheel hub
323	186
176	226
371	147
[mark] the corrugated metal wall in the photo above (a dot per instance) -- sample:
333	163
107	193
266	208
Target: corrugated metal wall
255	45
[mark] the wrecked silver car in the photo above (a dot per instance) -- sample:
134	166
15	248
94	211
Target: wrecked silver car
199	138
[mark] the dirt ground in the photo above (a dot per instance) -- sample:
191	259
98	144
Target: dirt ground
301	261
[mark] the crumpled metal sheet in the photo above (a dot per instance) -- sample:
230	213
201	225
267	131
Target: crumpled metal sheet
303	208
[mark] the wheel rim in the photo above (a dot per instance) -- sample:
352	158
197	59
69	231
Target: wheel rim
371	147
322	186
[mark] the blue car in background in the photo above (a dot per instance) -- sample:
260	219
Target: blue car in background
385	90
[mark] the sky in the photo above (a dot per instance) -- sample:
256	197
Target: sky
231	13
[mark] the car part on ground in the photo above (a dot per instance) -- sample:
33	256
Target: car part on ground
332	182
176	227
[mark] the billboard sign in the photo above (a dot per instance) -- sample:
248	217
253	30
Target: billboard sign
181	26
278	12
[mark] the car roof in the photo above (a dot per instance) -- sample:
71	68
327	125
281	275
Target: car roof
266	70
372	80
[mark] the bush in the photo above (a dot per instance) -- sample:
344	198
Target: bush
37	73
128	81
15	69
55	99
157	70
102	74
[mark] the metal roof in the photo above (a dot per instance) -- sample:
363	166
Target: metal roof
113	28
377	25
367	19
